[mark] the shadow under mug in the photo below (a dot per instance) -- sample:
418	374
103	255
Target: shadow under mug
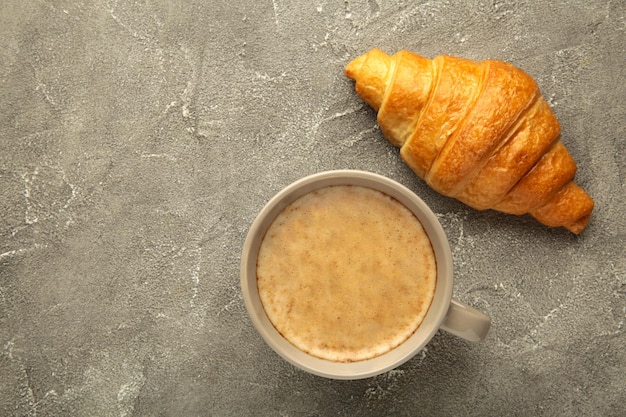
444	313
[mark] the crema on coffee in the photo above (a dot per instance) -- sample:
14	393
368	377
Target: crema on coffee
346	273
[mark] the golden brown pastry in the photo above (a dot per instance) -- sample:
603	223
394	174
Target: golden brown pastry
477	131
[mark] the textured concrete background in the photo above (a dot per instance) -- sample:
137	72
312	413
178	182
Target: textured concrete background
139	140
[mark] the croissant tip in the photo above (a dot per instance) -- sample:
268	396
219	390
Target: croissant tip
579	225
354	67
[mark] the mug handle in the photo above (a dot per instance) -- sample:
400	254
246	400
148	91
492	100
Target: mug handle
466	322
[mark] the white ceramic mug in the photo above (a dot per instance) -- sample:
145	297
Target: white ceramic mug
444	313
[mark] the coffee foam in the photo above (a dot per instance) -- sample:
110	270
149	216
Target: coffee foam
346	273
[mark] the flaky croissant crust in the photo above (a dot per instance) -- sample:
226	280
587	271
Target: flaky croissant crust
477	131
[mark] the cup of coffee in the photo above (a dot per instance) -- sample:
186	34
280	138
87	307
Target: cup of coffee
348	274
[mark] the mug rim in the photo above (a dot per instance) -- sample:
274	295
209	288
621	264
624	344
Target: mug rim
364	368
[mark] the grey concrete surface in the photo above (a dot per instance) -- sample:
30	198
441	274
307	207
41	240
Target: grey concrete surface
139	139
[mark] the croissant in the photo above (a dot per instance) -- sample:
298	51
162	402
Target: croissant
477	131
